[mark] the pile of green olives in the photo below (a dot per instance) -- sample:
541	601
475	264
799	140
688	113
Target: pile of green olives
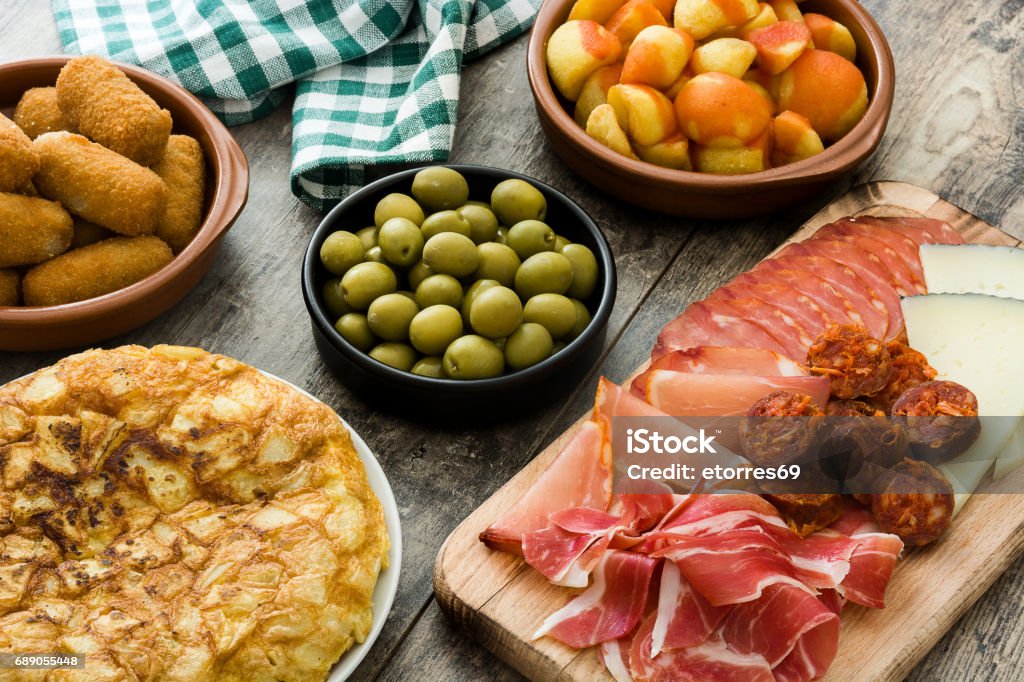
446	287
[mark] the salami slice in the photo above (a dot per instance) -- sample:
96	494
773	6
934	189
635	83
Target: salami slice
874	314
906	281
876	276
703	325
803	310
898	241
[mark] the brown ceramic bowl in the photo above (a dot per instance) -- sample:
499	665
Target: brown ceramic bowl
702	195
86	322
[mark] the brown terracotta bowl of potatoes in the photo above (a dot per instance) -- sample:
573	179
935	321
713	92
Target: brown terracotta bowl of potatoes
117	189
712	109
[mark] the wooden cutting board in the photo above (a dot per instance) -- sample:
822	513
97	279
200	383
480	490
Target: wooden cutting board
500	601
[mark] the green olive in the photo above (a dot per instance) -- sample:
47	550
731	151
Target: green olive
502	237
473	357
434	328
560	243
554	312
432	367
584	270
514	200
390	315
438	188
401	356
340	251
451	253
446	221
527	345
400	241
366	282
355	329
439	290
375	255
529	237
474	290
582	320
417	274
408	294
496	312
482	221
397	206
333	299
368	236
497	262
474	202
543	273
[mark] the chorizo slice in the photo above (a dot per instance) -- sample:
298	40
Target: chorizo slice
916	503
856	363
910	368
781	428
940	418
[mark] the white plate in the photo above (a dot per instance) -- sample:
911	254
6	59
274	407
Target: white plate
387	583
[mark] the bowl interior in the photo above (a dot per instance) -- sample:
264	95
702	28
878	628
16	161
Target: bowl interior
564	216
874	59
227	177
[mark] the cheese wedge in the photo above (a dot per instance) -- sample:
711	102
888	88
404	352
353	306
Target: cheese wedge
973	269
974	340
979	269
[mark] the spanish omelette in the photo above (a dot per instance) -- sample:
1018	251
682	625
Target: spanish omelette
177	515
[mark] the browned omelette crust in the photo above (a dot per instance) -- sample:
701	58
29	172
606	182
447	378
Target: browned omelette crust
177	515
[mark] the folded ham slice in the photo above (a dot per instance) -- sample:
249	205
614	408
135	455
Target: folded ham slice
721	360
722	395
610	608
710	660
579	476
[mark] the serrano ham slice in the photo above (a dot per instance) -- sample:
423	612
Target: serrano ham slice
684	618
869	308
813	654
610	608
563	557
718	360
579	476
704	325
871	568
710	660
722	395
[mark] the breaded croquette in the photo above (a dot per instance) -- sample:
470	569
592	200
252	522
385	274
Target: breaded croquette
103	104
88	233
18	159
95	270
38	113
10	287
32	230
99	185
183	170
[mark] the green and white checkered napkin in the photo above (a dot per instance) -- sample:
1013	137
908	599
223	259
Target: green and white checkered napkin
377	80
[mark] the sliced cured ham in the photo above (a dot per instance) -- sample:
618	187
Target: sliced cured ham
719	360
710	660
871	567
614	654
773	625
562	556
802	310
855	519
704	325
684	618
908	249
921	230
610	608
722	395
906	279
836	308
813	654
873	312
875	275
579	476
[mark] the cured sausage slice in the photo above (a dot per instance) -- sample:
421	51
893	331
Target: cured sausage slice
804	311
916	503
875	275
904	279
896	240
836	308
855	363
794	339
703	325
921	230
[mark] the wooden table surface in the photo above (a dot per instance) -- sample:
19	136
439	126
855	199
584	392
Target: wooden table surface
957	128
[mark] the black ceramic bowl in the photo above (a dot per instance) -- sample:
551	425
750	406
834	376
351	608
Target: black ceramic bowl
482	399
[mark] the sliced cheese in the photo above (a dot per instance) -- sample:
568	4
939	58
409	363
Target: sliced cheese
979	269
974	269
974	340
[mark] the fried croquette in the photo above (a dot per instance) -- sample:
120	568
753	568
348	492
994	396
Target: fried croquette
99	185
37	112
95	270
32	230
103	104
88	233
183	170
10	287
19	160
